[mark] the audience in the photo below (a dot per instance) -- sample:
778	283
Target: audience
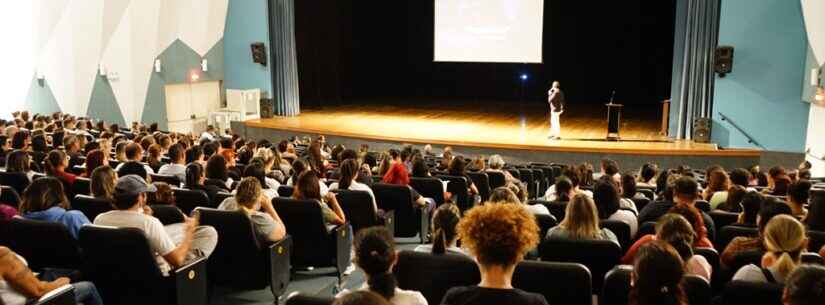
815	219
798	194
573	176
718	181
770	209
784	241
306	188
217	174
134	152
18	161
685	192
174	245
176	167
657	276
749	207
94	159
250	200
45	200
444	231
581	222
56	163
647	175
496	254
375	254
398	175
19	285
349	180
805	286
609	207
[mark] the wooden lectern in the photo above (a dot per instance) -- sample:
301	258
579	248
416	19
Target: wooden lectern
614	116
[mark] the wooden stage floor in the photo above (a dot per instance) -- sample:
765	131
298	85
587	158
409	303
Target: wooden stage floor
488	125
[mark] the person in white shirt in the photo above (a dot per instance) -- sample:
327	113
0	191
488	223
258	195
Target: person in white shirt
177	167
174	245
444	223
375	254
566	186
209	134
134	152
348	181
608	203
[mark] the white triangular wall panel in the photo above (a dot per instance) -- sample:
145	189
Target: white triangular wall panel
113	12
117	58
142	57
56	63
167	25
87	17
814	13
202	23
18	55
47	13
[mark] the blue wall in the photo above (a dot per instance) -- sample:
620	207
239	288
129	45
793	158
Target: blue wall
763	95
246	23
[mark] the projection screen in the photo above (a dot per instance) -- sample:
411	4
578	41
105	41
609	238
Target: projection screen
500	31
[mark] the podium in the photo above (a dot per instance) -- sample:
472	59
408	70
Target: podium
614	116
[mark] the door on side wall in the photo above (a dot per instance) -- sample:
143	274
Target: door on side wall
188	105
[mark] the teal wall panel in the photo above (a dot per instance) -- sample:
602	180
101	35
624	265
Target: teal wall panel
103	104
40	98
763	95
246	23
155	108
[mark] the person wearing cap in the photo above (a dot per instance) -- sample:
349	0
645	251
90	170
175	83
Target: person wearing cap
174	245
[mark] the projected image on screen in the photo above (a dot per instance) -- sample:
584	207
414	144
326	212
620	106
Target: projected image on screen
488	30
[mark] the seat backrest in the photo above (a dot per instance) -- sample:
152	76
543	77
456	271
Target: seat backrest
173	181
728	233
300	299
237	260
556	208
9	196
457	186
119	259
414	271
482	182
620	229
43	243
648	192
616	287
18	181
816	239
751	293
188	200
285	191
429	187
496	179
540	182
599	256
722	219
545	223
357	206
167	214
305	223
90	206
702	205
398	198
640	203
81	186
647	228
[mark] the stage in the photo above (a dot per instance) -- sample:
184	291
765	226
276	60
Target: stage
512	129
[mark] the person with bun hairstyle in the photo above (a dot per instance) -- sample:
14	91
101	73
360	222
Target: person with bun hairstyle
375	254
657	276
444	224
498	236
784	240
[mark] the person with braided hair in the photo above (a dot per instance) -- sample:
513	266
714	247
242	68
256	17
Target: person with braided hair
444	223
375	255
657	276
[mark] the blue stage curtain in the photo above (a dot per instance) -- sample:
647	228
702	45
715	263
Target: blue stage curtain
695	41
285	65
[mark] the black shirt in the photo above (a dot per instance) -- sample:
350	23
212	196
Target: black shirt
474	295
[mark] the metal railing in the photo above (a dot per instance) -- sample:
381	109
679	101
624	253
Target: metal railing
751	140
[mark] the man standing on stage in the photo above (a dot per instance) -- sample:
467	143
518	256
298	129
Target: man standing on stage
556	100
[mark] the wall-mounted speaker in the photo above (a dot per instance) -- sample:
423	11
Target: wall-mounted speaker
723	60
259	53
701	130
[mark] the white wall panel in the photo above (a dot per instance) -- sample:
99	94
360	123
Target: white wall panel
113	11
143	53
87	19
814	13
117	58
56	63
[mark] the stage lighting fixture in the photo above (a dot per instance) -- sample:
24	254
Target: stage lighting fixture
194	76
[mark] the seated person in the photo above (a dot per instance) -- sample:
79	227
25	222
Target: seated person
349	180
250	200
685	191
574	177
444	223
6	211
815	220
134	152
508	195
195	180
306	188
770	209
657	276
785	241
733	199
496	254
805	286
581	222
256	170
749	207
174	245
739	178
177	167
56	163
397	175
677	231
609	206
798	194
375	254
301	166
44	200
18	161
19	286
217	173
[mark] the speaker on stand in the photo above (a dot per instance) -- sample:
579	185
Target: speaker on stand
701	130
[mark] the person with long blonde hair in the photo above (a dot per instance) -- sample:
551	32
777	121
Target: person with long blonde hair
581	222
785	241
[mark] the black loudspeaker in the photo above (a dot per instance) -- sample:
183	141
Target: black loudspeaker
267	110
723	60
701	130
259	53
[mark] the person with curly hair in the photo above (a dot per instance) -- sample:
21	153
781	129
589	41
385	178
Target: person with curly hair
498	236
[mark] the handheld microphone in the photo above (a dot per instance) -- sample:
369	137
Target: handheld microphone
612	95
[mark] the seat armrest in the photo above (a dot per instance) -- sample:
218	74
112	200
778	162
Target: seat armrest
190	283
388	220
424	224
64	295
343	245
279	265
